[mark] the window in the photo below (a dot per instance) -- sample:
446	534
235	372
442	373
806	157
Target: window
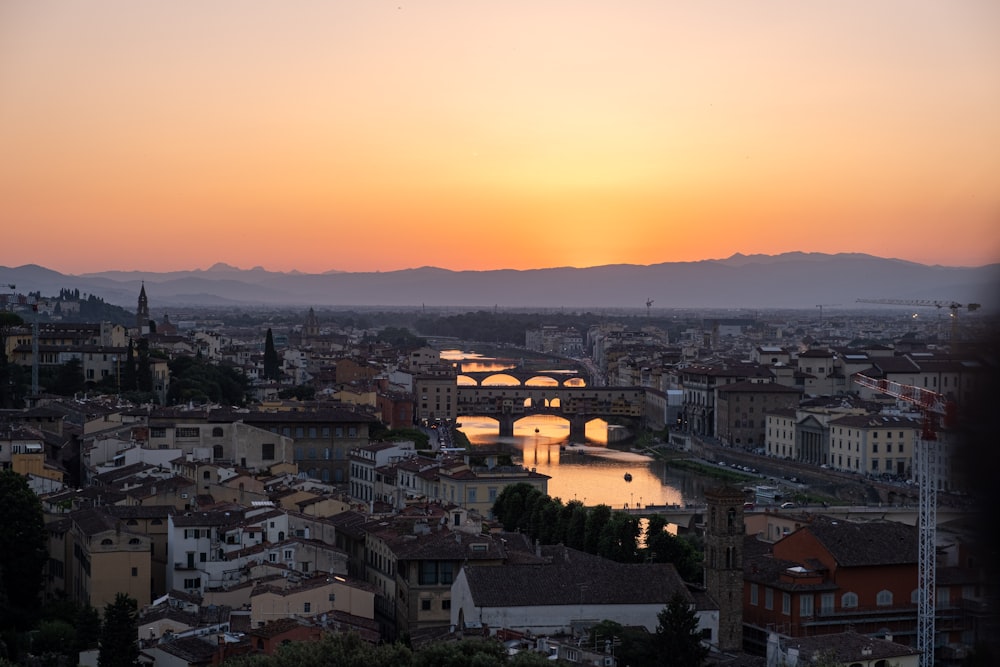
849	600
446	572
786	604
217	432
187	431
826	603
267	451
806	606
288	553
472	494
884	598
428	573
425	605
445	605
203	557
768	598
754	595
192	583
135	572
306	607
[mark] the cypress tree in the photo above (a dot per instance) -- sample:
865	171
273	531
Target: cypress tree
272	368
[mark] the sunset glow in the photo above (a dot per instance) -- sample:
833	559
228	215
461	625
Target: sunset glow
373	136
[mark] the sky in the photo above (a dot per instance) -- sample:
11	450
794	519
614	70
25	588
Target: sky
362	135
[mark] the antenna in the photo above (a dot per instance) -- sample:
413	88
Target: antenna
649	305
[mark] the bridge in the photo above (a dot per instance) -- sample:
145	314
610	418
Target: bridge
682	515
577	405
560	378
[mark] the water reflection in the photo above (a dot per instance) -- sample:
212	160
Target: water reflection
590	472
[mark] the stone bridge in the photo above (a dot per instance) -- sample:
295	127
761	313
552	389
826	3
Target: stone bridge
578	405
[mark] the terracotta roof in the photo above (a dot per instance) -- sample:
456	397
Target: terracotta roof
871	543
572	577
848	646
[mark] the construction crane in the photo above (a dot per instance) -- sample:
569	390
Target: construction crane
649	305
933	407
953	306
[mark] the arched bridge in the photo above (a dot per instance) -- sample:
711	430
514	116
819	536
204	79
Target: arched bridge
523	376
578	405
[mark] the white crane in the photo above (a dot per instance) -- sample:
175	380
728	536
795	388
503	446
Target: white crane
932	407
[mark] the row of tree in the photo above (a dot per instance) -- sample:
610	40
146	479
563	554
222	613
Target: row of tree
596	530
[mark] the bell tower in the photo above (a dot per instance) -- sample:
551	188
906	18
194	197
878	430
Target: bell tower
142	312
724	534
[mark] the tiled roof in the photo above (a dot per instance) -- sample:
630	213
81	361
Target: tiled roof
855	544
573	577
758	387
848	646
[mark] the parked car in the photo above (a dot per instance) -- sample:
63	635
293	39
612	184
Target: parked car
787	505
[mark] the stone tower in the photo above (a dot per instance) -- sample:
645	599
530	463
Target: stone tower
724	561
311	328
142	312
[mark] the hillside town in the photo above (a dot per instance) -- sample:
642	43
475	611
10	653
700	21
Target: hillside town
332	492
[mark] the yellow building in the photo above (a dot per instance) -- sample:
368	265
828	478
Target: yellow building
101	557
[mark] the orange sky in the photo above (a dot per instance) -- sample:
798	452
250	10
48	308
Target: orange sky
363	135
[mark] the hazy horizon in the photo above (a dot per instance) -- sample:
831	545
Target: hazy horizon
220	265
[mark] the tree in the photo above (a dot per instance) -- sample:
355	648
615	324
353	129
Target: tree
54	638
272	367
88	628
23	551
677	634
664	547
631	645
119	646
130	377
144	367
69	378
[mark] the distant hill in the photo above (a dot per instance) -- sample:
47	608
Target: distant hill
790	280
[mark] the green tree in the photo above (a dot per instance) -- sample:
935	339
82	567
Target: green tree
129	373
465	653
630	645
23	551
119	646
677	634
143	367
272	367
597	517
664	547
54	638
618	538
340	649
88	628
69	378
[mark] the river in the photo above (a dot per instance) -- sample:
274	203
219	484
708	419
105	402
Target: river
591	471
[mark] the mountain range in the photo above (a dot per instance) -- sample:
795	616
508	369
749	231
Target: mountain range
789	280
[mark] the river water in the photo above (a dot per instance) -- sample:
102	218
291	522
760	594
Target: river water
591	471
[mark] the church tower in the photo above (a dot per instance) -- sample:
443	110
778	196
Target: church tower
724	533
311	328
142	312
